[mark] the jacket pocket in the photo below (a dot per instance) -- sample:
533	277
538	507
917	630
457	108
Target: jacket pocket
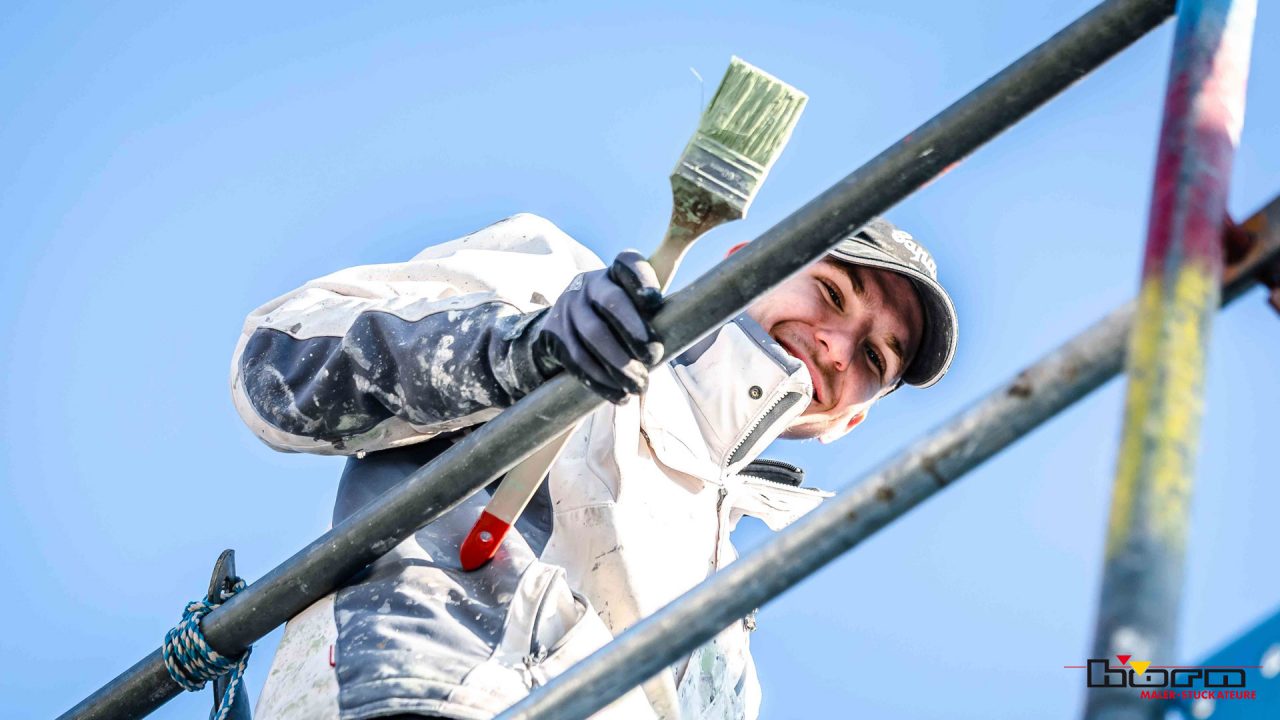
542	616
565	631
506	675
586	635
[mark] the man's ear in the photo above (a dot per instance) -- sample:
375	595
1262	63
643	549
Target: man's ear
735	249
838	432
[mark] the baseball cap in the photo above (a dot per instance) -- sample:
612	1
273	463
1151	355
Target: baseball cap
879	244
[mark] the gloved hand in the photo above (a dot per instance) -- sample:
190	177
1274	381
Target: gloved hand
598	329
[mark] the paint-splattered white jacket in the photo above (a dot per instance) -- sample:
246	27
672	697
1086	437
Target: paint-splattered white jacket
387	364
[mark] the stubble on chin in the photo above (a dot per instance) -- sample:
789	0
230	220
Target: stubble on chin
802	429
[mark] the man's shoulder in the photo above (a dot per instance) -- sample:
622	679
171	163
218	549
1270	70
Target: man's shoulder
520	234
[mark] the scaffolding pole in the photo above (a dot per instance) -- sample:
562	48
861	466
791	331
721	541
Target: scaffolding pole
1182	267
710	301
988	426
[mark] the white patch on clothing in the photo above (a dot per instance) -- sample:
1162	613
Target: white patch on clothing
302	683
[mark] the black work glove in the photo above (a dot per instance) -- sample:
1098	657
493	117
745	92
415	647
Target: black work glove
599	331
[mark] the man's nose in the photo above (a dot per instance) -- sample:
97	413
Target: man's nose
841	337
837	345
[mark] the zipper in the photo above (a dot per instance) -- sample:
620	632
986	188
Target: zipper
779	463
784	486
715	557
775	470
778	407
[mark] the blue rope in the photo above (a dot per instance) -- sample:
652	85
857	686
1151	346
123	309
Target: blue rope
190	660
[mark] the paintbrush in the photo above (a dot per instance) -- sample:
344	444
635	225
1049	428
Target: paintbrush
740	135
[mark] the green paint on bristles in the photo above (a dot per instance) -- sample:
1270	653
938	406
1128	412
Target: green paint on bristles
752	113
739	137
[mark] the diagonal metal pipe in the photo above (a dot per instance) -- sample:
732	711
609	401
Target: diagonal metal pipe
993	423
707	303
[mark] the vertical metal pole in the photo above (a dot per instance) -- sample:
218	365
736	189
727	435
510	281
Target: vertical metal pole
1182	267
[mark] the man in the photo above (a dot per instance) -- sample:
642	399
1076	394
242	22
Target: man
391	363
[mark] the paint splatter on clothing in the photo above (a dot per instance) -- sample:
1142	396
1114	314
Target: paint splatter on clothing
388	362
443	366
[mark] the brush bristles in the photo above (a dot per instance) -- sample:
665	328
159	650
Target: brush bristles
752	113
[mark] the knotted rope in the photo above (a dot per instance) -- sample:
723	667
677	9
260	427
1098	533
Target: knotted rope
192	662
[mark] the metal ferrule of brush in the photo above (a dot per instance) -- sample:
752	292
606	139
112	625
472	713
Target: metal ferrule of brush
723	173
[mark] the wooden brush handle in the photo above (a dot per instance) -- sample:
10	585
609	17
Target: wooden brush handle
667	258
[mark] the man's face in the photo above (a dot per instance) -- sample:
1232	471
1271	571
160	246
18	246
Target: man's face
856	328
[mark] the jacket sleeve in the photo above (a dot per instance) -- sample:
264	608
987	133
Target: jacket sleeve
380	356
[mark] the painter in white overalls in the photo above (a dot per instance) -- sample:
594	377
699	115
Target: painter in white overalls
389	364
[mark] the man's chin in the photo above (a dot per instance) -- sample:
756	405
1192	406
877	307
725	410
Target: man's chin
803	430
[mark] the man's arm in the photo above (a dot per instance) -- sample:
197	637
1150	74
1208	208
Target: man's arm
379	356
432	373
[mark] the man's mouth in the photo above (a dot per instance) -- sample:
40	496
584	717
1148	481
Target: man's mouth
814	377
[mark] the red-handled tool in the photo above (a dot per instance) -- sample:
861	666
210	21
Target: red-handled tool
508	501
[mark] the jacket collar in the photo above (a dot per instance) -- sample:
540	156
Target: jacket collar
722	401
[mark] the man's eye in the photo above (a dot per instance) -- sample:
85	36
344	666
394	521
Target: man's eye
876	360
834	295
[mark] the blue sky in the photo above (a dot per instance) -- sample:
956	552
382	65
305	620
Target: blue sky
165	169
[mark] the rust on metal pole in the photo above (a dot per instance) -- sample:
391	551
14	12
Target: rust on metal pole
1181	275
